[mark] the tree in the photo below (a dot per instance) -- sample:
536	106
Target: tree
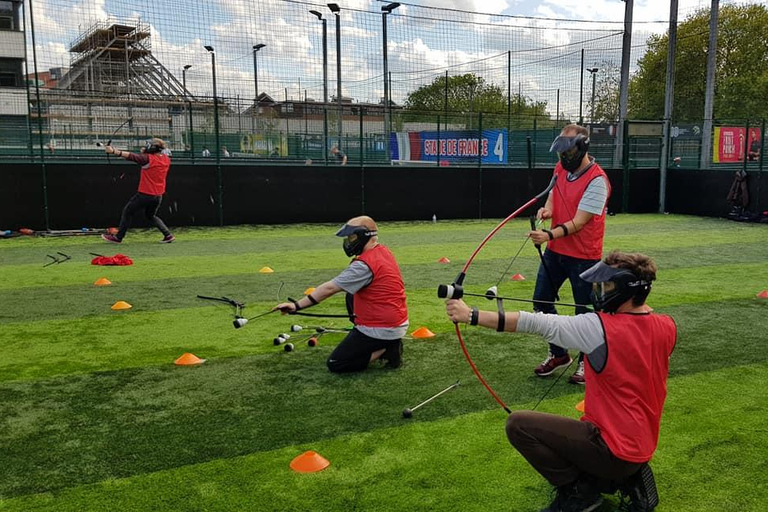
741	76
469	94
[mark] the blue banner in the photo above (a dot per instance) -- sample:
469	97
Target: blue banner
452	146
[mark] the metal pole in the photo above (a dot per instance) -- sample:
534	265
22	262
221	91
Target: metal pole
387	112
557	117
39	119
445	101
338	73
626	46
592	110
30	145
668	104
581	89
709	95
218	141
509	90
325	91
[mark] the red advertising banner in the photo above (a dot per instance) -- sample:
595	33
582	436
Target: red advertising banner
731	141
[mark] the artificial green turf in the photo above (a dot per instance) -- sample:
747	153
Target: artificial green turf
461	463
89	395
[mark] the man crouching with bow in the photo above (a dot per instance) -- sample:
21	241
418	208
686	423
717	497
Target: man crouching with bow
628	349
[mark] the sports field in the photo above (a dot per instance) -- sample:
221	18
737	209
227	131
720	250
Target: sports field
95	416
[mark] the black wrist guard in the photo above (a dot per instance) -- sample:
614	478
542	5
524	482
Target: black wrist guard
565	229
474	317
312	300
549	234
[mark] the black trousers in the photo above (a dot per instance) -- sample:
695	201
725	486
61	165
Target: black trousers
354	352
149	204
563	450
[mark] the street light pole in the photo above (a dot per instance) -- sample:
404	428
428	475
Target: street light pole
216	130
190	141
336	10
256	48
593	72
387	9
581	89
325	84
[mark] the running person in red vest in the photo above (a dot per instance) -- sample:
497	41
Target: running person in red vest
628	349
374	281
154	162
577	211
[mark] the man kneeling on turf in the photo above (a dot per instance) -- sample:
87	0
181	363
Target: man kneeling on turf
374	281
628	349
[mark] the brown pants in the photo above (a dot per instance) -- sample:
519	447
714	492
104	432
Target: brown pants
562	449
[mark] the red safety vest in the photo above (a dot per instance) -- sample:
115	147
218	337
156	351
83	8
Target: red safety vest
152	181
382	302
587	244
625	400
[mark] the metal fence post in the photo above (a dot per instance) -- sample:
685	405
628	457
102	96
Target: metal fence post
362	158
438	141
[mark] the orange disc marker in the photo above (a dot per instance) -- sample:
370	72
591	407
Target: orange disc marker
309	290
188	359
309	462
266	270
422	332
103	281
444	260
518	277
580	406
120	305
763	294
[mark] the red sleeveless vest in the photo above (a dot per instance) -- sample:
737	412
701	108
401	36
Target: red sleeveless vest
587	244
625	400
152	181
382	302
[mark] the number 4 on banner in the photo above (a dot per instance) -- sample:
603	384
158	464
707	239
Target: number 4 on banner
498	149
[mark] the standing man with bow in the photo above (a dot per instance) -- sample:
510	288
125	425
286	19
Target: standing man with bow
577	209
628	349
375	299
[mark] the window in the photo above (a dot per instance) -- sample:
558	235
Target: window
9	15
10	72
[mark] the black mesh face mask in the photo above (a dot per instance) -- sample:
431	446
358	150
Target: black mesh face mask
570	150
356	238
612	287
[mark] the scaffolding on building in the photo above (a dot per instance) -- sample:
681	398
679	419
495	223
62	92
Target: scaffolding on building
115	57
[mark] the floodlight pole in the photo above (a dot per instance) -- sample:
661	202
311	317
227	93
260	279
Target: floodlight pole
387	9
668	105
190	137
626	47
216	130
256	49
593	72
325	84
336	10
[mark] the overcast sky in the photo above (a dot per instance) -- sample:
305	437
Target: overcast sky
426	38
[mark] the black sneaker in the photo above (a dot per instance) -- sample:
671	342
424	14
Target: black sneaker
638	492
394	355
578	497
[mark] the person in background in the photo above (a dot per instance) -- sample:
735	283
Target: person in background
154	164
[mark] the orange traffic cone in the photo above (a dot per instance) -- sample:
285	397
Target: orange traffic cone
309	462
103	281
518	277
309	290
422	332
266	270
763	294
120	305
580	406
188	359
444	260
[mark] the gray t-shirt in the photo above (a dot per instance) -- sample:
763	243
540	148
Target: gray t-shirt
596	194
353	279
